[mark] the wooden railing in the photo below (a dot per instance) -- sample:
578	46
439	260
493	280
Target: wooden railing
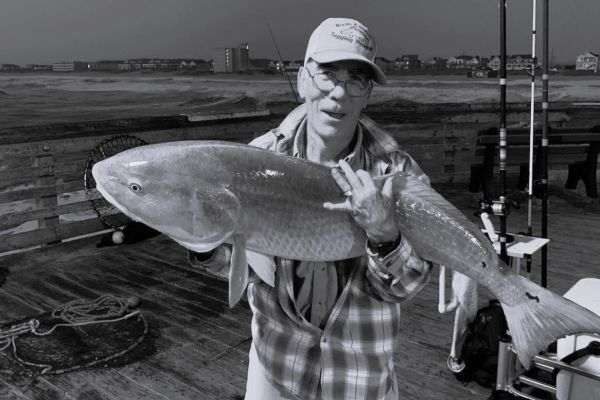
42	197
41	168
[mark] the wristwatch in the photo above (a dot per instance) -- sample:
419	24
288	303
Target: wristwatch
385	248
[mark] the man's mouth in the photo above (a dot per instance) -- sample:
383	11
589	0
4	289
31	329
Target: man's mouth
334	114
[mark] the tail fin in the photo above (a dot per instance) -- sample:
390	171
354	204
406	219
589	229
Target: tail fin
543	318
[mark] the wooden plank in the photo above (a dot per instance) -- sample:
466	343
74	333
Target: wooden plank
159	303
51	210
28	239
31	192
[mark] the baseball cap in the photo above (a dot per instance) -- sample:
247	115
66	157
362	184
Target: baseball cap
337	39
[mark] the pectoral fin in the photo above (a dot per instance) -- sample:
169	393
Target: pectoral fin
263	265
215	217
238	271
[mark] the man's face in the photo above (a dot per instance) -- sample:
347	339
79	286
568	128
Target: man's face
334	108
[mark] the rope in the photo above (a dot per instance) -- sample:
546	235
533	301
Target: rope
105	309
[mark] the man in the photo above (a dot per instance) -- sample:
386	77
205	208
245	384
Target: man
327	330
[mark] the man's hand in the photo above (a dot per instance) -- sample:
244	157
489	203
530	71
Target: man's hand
373	209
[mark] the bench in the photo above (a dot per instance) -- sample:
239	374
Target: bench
575	148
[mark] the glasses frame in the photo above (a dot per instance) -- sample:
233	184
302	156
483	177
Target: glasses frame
336	81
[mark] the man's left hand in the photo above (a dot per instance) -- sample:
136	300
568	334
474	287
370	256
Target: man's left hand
372	209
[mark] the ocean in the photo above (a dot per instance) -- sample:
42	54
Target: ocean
36	99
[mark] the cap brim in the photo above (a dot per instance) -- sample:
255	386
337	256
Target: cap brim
332	56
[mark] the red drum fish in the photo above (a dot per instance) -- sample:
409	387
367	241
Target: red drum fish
205	193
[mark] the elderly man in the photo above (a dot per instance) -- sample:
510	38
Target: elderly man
328	330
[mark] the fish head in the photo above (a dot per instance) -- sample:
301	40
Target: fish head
172	190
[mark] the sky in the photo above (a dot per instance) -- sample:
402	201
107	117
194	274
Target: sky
47	31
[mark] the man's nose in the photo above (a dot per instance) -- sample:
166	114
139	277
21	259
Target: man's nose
339	90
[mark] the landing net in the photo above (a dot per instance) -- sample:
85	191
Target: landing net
106	332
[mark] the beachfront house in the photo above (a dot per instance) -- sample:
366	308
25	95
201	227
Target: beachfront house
463	61
435	63
408	62
9	67
587	62
517	62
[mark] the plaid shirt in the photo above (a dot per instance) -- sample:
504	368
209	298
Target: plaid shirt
351	355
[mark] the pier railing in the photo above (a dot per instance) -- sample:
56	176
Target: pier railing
42	196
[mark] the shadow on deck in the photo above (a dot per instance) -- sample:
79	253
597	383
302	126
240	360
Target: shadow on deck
202	344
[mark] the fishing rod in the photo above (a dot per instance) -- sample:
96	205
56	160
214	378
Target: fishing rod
544	148
281	61
502	133
531	131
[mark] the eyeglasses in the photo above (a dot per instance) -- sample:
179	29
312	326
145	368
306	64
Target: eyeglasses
326	81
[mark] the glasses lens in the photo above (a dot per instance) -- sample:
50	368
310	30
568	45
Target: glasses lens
326	82
323	82
356	87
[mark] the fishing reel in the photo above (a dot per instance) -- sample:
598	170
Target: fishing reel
499	208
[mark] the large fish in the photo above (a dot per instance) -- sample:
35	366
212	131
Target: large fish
204	193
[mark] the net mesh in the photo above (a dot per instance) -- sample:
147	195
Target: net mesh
84	334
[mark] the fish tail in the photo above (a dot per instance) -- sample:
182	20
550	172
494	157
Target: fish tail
544	317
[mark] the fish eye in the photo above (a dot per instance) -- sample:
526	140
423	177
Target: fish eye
135	187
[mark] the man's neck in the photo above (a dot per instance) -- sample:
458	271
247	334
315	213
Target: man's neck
326	152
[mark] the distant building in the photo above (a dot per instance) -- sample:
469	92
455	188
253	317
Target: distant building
294	66
231	59
517	62
262	65
408	62
109	66
385	64
587	62
435	63
69	66
464	61
9	68
36	67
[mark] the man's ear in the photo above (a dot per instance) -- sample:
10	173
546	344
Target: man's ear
368	96
301	82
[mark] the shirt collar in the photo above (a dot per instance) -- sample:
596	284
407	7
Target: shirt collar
355	158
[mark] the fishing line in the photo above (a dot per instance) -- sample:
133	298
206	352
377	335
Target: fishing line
281	61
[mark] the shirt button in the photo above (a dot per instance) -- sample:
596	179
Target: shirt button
324	340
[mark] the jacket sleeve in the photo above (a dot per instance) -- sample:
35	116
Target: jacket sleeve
399	275
402	273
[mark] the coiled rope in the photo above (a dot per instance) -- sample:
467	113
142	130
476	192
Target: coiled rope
105	309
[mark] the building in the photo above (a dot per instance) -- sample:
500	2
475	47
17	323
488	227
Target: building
265	65
436	63
109	66
9	68
69	66
231	59
587	62
384	64
408	62
517	62
464	61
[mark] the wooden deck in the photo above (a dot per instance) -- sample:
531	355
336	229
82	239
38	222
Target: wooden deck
202	344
